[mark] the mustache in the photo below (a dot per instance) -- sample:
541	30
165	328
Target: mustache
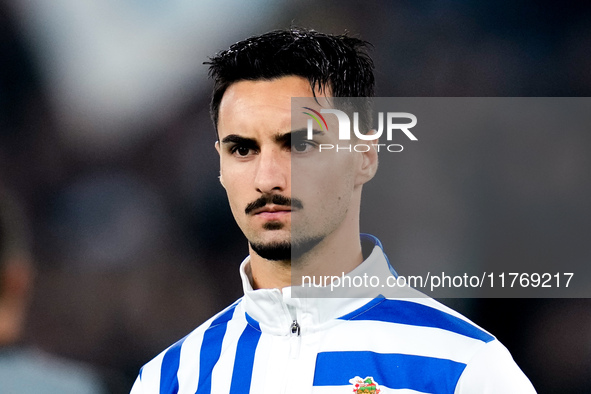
275	199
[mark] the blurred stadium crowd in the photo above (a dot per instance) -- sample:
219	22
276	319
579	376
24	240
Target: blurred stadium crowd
106	143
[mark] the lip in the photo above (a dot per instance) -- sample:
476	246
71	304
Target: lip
271	212
275	215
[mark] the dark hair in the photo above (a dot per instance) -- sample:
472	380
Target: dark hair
337	62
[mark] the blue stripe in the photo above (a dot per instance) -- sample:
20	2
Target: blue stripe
211	348
395	371
247	344
411	313
169	382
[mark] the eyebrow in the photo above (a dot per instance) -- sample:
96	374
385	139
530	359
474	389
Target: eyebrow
236	139
300	134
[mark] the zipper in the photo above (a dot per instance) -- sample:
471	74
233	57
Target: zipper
294	329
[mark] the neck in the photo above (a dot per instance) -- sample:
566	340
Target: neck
338	253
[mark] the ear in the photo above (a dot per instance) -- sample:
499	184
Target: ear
217	147
368	163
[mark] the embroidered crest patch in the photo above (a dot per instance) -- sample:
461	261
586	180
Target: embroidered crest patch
365	386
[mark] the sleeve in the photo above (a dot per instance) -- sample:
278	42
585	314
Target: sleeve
148	380
493	370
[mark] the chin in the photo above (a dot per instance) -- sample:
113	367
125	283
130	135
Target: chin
274	251
284	249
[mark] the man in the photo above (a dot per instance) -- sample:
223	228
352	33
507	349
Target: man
269	340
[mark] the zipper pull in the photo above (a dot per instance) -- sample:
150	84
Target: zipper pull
295	341
295	328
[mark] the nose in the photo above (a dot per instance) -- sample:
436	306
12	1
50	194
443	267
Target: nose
273	171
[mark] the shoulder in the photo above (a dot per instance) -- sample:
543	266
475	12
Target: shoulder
445	344
423	315
163	368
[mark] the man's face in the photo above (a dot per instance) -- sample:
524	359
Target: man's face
283	192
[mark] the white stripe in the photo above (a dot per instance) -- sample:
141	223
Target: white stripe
221	377
151	375
269	363
188	374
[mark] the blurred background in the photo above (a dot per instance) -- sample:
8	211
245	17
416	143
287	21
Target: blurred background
107	146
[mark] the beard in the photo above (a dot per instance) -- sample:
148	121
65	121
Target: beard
285	250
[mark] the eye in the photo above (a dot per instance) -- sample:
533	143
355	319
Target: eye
302	146
241	150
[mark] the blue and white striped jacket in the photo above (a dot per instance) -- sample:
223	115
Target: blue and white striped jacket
270	342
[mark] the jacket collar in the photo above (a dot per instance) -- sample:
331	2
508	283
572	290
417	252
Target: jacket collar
313	308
